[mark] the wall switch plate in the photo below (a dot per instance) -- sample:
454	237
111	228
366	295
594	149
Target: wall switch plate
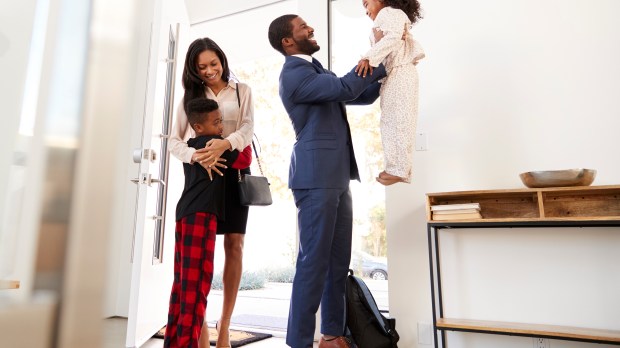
541	342
421	143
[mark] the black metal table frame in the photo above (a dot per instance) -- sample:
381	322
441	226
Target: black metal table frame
435	266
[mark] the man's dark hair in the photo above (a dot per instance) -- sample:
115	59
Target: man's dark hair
197	109
279	29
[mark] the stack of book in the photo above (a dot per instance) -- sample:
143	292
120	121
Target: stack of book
464	211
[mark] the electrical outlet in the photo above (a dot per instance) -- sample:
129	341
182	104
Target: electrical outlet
541	342
421	141
424	333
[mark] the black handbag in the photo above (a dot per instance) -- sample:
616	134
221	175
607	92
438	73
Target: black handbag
253	189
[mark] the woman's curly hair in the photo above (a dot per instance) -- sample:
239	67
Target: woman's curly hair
410	7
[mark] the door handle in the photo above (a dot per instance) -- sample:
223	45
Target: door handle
159	181
147	179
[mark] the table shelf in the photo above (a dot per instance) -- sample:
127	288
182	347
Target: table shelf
595	206
569	203
9	284
530	330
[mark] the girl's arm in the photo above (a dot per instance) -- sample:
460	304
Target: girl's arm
388	26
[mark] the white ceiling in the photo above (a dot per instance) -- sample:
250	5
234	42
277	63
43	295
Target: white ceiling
203	10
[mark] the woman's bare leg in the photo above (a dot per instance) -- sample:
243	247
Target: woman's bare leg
203	341
233	267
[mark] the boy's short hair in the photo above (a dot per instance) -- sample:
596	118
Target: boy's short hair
198	109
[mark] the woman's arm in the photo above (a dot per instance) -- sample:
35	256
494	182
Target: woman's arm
244	159
181	131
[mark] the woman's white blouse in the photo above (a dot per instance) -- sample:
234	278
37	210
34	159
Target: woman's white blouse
238	121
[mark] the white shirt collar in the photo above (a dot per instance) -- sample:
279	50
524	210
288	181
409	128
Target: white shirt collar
303	56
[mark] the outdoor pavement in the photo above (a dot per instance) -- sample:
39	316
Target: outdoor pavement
266	310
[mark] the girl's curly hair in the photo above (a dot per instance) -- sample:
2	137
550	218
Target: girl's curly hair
410	7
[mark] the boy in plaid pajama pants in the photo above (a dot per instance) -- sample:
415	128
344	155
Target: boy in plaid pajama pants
200	205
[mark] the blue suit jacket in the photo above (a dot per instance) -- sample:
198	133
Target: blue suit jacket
314	99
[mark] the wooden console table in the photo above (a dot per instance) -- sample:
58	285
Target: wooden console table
591	206
9	284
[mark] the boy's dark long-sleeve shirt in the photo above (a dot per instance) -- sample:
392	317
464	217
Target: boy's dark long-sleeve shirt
200	193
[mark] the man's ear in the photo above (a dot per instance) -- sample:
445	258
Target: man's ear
287	42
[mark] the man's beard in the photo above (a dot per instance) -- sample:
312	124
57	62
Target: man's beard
307	47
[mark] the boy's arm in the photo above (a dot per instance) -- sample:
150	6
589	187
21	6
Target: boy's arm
244	159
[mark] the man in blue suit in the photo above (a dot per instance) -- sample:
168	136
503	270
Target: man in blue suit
322	166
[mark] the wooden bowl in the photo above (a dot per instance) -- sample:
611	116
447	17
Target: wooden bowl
558	178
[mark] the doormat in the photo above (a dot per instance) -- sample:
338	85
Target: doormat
237	338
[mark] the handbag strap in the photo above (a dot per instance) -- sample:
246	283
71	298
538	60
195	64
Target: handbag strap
260	168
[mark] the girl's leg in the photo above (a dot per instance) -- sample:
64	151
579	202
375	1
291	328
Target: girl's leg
233	267
399	108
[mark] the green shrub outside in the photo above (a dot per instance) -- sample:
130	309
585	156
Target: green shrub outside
257	280
249	281
280	275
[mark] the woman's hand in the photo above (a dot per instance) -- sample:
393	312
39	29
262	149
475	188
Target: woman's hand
212	151
363	67
214	167
209	156
209	166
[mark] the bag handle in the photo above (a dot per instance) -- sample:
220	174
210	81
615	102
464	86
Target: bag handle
260	168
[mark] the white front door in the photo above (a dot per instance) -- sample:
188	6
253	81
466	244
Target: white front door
152	271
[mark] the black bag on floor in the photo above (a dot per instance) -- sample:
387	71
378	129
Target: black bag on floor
368	327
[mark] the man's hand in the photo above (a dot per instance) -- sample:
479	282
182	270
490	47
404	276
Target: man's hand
378	33
363	67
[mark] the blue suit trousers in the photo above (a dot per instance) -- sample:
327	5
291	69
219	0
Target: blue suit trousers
325	222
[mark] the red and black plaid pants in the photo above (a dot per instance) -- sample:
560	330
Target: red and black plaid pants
193	272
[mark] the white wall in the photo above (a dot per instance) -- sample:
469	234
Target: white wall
509	87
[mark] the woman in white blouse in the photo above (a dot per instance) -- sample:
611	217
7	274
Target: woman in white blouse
206	74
